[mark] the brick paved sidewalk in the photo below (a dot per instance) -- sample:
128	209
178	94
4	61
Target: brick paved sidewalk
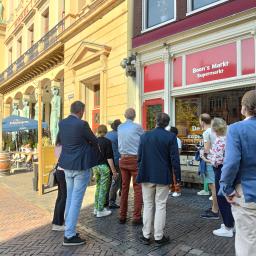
25	227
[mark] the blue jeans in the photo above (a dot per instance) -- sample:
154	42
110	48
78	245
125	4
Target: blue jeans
77	182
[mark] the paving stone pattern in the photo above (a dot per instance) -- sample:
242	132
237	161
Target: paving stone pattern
25	229
190	235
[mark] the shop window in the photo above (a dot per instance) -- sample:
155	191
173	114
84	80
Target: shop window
150	110
225	104
197	5
158	12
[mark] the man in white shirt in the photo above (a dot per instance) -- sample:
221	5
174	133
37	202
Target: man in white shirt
208	140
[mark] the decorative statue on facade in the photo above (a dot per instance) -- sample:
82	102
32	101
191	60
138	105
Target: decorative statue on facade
15	109
25	110
55	114
15	112
36	107
1	12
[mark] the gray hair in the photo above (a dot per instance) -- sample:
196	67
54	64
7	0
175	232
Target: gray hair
219	125
76	107
130	114
162	120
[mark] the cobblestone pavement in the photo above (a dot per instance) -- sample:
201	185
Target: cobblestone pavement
25	227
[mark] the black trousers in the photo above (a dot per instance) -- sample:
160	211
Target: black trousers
224	206
113	188
59	210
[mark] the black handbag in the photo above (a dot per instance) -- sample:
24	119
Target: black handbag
52	181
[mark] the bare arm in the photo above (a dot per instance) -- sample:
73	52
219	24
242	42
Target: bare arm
112	167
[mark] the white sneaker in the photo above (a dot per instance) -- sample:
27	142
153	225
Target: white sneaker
223	231
95	211
203	193
223	226
176	194
210	198
58	227
170	192
103	213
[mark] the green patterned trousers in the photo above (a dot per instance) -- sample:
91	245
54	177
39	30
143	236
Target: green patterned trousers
102	175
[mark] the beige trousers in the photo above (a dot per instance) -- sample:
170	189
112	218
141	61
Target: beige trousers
245	223
154	198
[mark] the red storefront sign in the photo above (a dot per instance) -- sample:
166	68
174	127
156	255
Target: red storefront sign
154	77
212	64
177	72
248	59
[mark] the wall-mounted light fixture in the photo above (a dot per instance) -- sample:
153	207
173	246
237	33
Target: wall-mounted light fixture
129	65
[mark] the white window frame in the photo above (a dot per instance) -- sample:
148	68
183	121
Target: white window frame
144	17
190	11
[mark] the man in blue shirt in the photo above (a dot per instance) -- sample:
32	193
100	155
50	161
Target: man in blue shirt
238	178
115	184
128	143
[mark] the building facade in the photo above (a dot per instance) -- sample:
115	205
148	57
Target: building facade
193	56
73	50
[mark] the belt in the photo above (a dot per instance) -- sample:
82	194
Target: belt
127	155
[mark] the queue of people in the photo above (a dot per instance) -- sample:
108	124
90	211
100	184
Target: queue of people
151	160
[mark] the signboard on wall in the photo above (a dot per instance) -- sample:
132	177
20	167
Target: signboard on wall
211	64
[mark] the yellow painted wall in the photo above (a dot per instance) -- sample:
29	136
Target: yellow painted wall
2	48
110	30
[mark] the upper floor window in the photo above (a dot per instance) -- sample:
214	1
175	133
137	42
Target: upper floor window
158	12
45	20
198	5
19	47
31	36
10	56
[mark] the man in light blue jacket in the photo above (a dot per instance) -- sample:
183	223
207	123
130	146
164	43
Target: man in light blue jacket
238	179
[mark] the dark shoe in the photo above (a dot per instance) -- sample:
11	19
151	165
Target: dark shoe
122	221
165	240
114	206
137	222
73	241
144	240
210	215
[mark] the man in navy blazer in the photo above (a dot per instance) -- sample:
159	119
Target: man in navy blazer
158	155
238	178
78	156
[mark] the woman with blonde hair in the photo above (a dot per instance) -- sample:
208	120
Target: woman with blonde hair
216	158
102	172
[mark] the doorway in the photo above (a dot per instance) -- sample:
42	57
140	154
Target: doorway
92	101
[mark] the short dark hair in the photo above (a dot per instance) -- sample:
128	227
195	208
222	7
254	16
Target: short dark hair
249	101
115	124
206	118
102	130
76	107
174	130
162	120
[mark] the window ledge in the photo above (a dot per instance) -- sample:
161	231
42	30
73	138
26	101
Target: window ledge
158	25
205	7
